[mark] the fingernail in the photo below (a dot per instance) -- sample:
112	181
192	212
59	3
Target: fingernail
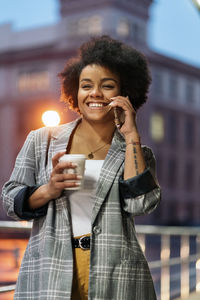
74	165
111	103
79	177
78	183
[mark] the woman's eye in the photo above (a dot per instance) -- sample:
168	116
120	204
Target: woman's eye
108	86
86	86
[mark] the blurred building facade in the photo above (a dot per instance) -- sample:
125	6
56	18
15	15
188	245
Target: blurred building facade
169	123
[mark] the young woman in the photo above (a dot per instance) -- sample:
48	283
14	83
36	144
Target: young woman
83	243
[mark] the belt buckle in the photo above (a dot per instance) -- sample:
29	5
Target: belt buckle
80	243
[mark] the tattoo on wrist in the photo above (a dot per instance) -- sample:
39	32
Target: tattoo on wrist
135	160
134	143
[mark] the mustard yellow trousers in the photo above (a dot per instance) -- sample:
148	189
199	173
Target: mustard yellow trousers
81	274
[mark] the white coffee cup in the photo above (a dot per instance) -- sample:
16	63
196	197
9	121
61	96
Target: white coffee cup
78	159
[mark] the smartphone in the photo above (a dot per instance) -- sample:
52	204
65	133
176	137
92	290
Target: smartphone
119	116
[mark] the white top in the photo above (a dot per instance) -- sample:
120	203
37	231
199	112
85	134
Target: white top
81	201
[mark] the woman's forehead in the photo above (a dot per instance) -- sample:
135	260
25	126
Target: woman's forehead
97	71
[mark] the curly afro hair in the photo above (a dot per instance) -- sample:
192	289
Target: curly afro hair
128	63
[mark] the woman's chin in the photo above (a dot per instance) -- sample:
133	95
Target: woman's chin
96	118
99	116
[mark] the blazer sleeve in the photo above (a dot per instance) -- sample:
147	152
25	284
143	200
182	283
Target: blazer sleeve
22	183
141	194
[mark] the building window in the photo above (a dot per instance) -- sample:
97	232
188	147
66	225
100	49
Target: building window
172	211
189	176
195	212
189	133
33	81
138	32
159	166
173	87
123	28
157	130
189	93
157	83
83	26
184	212
172	128
91	25
73	28
172	172
95	25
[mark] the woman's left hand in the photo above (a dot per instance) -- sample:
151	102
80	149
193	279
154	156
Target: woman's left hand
128	127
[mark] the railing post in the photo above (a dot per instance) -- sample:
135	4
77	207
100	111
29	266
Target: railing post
142	241
185	275
198	264
165	269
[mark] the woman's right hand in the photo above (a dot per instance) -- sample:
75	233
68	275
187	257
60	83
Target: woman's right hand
59	180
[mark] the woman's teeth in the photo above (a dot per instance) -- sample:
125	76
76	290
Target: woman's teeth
97	104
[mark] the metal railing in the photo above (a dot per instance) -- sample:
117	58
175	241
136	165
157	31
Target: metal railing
176	271
7	288
173	254
13	225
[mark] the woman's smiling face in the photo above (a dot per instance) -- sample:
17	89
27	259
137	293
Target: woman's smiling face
97	85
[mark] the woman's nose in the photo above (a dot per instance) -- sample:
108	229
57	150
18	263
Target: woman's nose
96	93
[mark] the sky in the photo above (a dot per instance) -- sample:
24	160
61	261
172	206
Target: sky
174	27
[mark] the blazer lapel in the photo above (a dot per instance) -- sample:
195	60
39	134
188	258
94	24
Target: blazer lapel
110	168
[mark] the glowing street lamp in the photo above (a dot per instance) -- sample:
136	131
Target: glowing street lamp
50	118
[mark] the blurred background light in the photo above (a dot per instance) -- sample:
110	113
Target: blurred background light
50	118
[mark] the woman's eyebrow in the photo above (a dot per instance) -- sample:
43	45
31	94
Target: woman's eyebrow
102	80
107	78
86	79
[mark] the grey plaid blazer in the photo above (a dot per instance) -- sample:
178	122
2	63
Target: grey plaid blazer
118	268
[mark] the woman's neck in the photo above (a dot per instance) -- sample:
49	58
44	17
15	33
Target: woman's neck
95	132
91	139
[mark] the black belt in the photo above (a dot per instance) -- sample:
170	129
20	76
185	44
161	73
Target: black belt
83	242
